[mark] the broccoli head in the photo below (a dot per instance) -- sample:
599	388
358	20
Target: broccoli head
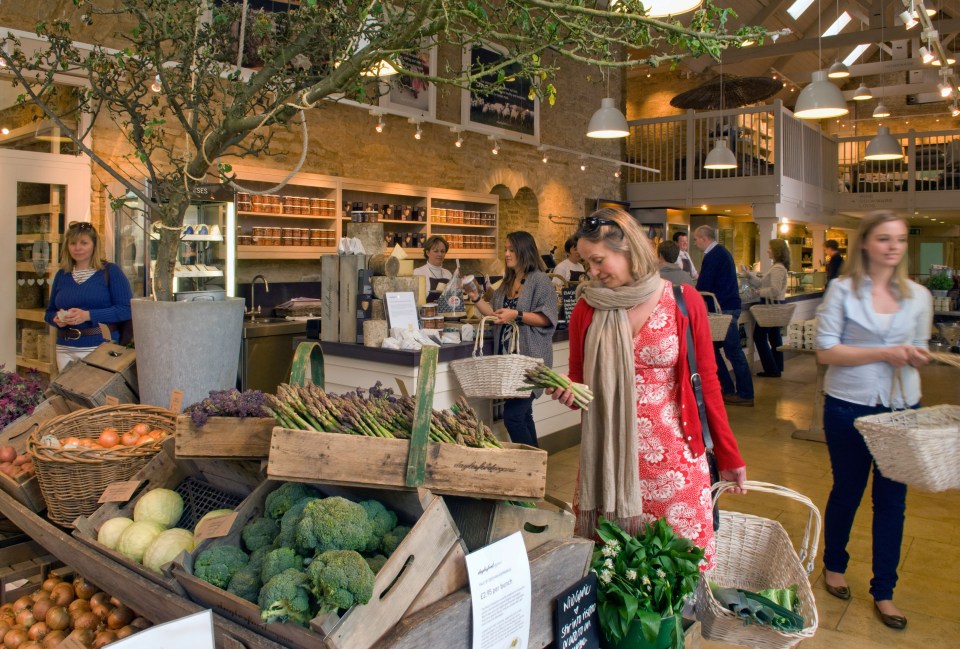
218	564
376	562
333	524
286	598
256	558
276	561
259	533
392	539
339	579
246	583
383	521
285	497
288	524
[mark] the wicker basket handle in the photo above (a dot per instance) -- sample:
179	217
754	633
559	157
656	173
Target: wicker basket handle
712	296
811	537
478	339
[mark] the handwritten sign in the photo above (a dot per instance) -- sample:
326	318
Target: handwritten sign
119	492
213	528
111	401
500	594
176	400
569	298
577	623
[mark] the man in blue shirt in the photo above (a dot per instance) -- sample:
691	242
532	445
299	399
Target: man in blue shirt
718	275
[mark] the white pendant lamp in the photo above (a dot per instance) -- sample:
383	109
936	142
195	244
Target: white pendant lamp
720	157
608	122
838	70
883	146
881	110
862	93
820	99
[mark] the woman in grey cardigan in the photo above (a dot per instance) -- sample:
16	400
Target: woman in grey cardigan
526	296
772	287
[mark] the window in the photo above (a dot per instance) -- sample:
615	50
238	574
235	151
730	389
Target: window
837	25
855	54
798	7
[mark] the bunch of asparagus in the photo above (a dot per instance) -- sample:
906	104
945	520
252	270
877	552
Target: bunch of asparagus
542	376
377	414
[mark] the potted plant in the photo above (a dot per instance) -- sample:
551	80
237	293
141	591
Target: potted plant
643	581
940	285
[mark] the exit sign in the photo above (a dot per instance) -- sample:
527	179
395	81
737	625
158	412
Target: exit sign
914	231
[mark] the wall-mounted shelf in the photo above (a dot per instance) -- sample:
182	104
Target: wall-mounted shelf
283	252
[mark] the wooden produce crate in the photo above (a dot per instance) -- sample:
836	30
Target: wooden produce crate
481	521
204	486
90	386
118	359
28	561
427	566
224	437
515	472
26	489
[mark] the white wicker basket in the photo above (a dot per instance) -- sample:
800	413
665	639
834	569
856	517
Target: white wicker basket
755	553
719	322
500	376
920	447
772	315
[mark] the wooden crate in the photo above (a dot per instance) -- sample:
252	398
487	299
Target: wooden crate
90	386
224	437
23	561
117	359
26	489
481	522
204	484
427	566
515	472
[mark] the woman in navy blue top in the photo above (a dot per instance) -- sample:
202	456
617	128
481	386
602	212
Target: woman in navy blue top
87	292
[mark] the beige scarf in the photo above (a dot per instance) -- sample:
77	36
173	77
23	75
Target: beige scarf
609	466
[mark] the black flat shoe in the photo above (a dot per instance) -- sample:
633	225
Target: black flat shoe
893	621
768	375
840	592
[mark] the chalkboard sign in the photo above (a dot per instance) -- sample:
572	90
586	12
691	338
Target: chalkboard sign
577	620
569	298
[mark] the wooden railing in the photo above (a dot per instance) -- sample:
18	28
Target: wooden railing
931	162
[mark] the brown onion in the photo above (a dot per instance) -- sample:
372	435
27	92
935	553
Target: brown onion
53	639
62	594
38	631
37	594
78	606
22	603
125	632
120	616
40	608
50	582
84	589
57	618
88	620
26	619
141	623
101	610
4	627
104	638
115	602
14	638
100	598
83	636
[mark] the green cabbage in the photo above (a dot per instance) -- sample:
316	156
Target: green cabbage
166	547
137	538
162	506
109	534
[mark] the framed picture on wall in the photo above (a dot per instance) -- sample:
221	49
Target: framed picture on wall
411	95
508	111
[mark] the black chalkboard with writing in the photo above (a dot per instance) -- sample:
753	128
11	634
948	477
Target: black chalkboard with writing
569	298
577	620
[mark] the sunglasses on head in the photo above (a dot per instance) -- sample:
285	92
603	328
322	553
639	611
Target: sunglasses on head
81	226
591	224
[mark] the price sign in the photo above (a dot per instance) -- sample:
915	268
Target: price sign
119	492
111	401
213	528
569	298
577	620
176	400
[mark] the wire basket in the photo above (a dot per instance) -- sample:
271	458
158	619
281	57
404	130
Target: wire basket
500	376
719	322
72	480
772	315
754	554
920	447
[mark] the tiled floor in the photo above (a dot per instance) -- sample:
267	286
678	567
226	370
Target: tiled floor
929	588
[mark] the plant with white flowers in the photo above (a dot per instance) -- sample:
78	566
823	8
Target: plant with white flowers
643	579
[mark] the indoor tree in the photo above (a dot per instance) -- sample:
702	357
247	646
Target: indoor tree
228	75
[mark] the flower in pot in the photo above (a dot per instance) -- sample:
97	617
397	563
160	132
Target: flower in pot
643	581
940	283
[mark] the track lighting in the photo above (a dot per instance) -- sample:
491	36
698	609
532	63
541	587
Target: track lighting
379	127
583	165
459	142
955	111
496	146
937	62
945	90
926	56
543	155
156	86
616	174
418	134
908	20
4	131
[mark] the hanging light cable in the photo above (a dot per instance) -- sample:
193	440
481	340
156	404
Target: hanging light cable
839	69
720	157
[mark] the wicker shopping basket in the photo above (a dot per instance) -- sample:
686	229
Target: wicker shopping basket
73	479
920	447
719	322
772	315
500	376
754	554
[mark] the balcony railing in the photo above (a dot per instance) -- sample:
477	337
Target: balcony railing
931	162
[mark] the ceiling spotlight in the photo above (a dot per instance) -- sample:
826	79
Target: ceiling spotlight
496	147
881	111
459	142
379	125
908	20
784	227
862	93
945	90
5	131
418	134
543	155
748	43
938	62
583	166
955	111
838	70
156	85
616	174
926	56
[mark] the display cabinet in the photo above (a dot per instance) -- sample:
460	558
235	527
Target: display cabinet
468	222
403	210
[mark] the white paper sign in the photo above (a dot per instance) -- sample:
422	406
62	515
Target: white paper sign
194	631
402	310
500	594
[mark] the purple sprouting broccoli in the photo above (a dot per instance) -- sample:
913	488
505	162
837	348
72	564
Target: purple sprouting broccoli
227	403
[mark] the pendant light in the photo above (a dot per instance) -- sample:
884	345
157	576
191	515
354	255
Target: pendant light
862	93
883	146
881	110
820	99
839	69
608	122
720	157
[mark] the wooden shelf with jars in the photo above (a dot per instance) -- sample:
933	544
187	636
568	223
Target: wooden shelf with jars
467	220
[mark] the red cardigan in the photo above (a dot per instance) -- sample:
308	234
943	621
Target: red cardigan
725	445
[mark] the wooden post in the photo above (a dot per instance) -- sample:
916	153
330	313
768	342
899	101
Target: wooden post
420	435
350	265
330	306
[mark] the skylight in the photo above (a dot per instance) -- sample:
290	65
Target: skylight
837	25
855	54
798	7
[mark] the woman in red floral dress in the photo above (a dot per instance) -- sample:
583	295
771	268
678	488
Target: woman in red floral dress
628	342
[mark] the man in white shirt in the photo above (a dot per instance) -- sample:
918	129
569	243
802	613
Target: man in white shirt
570	264
684	261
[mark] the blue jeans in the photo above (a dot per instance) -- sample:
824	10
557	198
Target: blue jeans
767	339
851	463
518	420
741	371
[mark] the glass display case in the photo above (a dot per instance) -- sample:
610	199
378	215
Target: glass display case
206	257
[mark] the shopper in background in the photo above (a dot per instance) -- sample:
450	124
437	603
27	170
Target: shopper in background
831	249
684	262
527	297
87	291
434	250
642	452
772	287
718	275
873	325
570	264
667	253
